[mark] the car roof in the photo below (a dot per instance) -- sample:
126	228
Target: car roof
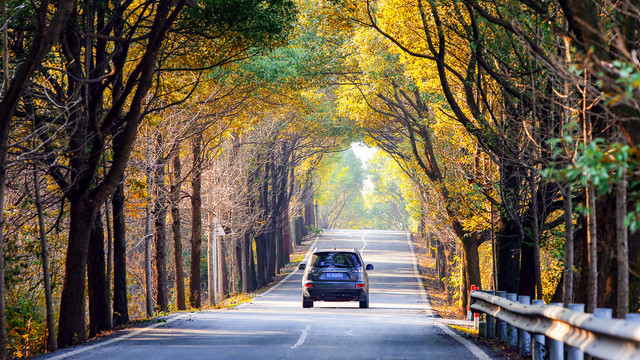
352	251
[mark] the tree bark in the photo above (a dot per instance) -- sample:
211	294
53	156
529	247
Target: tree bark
567	292
160	212
592	245
71	326
441	261
148	276
211	260
52	344
195	293
120	301
99	315
252	267
109	295
234	260
536	238
176	226
470	267
261	260
222	269
245	270
622	247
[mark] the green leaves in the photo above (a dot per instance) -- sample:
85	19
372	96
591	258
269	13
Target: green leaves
246	23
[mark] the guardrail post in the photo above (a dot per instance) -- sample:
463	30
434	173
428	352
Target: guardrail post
501	326
512	331
524	338
469	314
603	313
538	345
573	353
491	321
634	317
556	348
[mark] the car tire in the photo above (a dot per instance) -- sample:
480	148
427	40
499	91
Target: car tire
307	303
364	304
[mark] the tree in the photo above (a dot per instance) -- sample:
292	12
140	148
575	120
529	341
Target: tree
43	38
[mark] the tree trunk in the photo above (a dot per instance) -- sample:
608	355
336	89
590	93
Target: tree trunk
195	293
176	226
527	284
120	301
3	177
99	316
252	267
160	212
622	247
52	344
211	261
470	267
236	262
309	213
450	254
567	292
71	326
441	262
592	245
271	255
261	260
109	295
245	270
222	269
148	237
508	250
536	238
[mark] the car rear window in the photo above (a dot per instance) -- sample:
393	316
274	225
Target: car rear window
335	259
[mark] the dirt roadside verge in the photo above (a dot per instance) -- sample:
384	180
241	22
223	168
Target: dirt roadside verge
441	307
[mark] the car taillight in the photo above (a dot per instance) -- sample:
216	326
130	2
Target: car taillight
308	285
359	285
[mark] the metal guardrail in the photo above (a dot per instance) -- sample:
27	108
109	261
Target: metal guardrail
599	337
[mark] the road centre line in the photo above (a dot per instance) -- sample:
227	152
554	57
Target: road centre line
475	350
364	241
302	337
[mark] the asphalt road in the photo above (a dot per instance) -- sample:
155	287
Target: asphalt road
398	324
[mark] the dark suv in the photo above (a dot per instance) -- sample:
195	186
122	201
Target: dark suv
335	275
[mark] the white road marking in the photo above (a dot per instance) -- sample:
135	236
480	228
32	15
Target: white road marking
475	350
364	241
302	337
416	273
119	338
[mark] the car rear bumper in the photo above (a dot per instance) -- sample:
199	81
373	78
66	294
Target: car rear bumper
334	294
